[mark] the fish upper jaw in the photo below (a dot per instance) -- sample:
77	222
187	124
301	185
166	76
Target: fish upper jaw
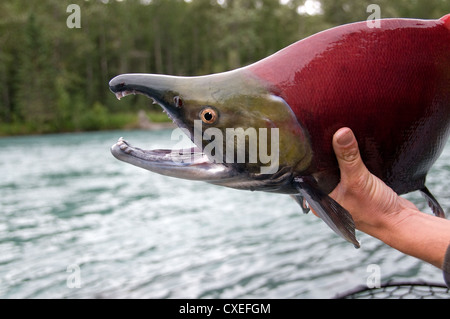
159	88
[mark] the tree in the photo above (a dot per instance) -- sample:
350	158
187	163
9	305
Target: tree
53	76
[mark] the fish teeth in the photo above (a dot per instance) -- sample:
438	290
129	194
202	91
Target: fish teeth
121	142
122	94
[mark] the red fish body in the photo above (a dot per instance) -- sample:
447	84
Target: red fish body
390	85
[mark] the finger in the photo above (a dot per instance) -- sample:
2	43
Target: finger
347	153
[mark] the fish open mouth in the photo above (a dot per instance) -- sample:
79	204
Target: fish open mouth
186	156
186	163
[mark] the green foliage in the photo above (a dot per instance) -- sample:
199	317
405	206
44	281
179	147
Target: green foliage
345	11
55	79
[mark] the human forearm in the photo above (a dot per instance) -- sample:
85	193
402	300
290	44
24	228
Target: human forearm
414	233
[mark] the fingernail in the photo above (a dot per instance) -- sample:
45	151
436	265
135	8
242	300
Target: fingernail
345	138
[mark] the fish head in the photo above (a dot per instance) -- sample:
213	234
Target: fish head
245	136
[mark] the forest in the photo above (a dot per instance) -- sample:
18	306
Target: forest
54	75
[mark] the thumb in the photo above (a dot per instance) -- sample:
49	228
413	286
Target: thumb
352	168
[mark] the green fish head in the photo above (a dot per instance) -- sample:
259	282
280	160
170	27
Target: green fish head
245	136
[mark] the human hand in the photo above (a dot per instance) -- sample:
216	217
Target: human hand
378	211
367	198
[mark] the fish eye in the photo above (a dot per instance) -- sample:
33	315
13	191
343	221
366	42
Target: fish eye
208	115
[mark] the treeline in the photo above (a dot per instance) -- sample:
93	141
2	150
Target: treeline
54	78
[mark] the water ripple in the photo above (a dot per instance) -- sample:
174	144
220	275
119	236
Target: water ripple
67	203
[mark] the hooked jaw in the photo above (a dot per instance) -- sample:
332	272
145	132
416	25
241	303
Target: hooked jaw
190	163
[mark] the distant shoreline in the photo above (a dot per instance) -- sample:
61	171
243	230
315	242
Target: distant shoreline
142	120
146	124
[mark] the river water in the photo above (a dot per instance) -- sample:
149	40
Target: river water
77	223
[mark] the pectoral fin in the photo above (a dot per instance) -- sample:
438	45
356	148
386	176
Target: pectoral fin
433	203
302	202
333	214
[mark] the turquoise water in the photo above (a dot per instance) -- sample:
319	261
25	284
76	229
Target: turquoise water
77	223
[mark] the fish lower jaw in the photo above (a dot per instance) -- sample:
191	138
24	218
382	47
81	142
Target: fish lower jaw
189	163
189	156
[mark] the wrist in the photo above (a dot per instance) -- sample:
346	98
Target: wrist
386	227
382	221
395	228
414	233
